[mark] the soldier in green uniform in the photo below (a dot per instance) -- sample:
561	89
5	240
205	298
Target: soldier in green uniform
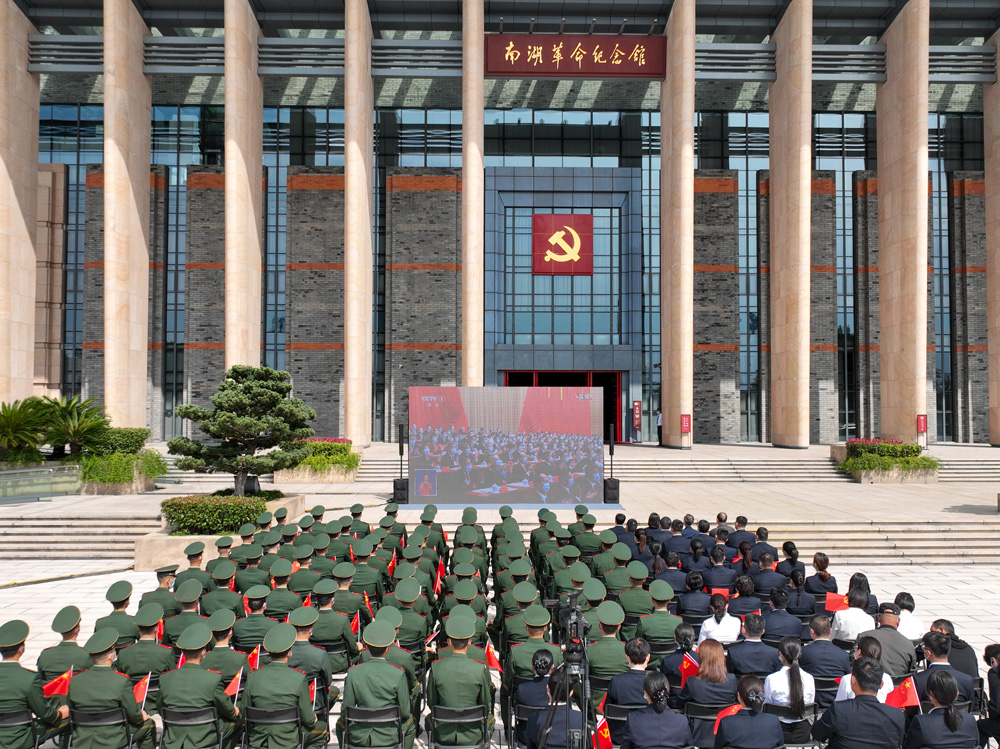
224	547
463	571
635	601
459	681
223	658
264	521
303	580
118	596
194	553
604	561
367	579
377	683
59	659
359	528
305	537
505	512
281	601
467	592
165	579
194	687
311	660
617	580
558	560
405	571
252	574
345	601
415	627
21	689
269	545
659	626
399	658
320	564
247	533
519	571
279	685
525	594
562	581
222	597
280	515
476	653
588	542
518	662
188	595
577	527
317	512
249	632
337	551
101	688
479	622
332	627
287	533
594	594
607	654
147	655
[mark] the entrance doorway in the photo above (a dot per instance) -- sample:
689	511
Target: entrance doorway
609	382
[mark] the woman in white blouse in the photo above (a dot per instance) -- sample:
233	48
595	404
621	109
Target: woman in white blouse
852	621
872	648
721	625
793	688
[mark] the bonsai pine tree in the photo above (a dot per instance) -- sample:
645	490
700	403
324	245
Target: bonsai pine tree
255	427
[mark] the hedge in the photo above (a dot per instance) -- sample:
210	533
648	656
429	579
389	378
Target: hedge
206	515
120	468
330	452
872	461
267	494
885	448
124	440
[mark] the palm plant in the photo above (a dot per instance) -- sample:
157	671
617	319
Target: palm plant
21	425
71	421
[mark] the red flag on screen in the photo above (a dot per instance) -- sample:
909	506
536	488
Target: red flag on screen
731	710
491	657
905	695
835	602
140	690
234	685
688	668
602	735
254	658
59	685
356	622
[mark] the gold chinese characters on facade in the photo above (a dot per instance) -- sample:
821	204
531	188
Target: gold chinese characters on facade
575	56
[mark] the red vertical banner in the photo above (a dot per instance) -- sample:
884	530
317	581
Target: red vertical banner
637	415
685	423
921	423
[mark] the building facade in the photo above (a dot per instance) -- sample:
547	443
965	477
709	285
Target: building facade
796	220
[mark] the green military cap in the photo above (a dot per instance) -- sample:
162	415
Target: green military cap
149	615
221	620
386	522
377	634
252	551
407	590
569	551
464	570
469	515
303	552
334	527
257	591
420	532
68	618
580	510
288	531
247	529
637	570
15	632
466	536
325	587
404	570
194	549
515	550
426	516
536	616
195	637
390	615
460	628
466	590
357	509
608	537
377	536
432	507
509	524
579	572
549	515
264	518
306	522
119	591
167	570
520	567
270	538
344	570
279	638
589	519
225	542
463	556
320	541
101	641
392	507
660	590
594	590
621	551
610	613
345	521
552	526
281	512
563	532
525	592
224	570
464	611
189	591
542	513
318	511
412	552
281	568
363	548
304	616
506	511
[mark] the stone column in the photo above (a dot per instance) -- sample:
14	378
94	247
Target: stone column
50	266
473	194
244	185
901	105
677	213
127	102
991	138
359	106
790	106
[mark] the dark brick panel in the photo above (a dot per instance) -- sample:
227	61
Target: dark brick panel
823	381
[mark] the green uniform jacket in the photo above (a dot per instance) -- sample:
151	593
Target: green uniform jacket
602	563
458	681
280	602
330	627
519	660
607	658
657	627
123	623
191	687
98	689
59	659
359	528
401	659
414	627
251	629
213	563
312	661
222	598
376	683
20	689
617	580
146	656
588	542
635	602
196	573
421	605
337	550
265	564
227	662
175	625
303	581
479	605
246	579
367	579
322	567
278	685
480	634
163	597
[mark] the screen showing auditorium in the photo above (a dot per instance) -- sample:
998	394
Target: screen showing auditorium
476	446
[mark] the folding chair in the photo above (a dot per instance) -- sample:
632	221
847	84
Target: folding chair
702	719
521	715
270	716
796	732
388	716
101	719
826	692
188	718
19	719
457	716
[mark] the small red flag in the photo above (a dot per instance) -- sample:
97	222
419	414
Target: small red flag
308	601
254	658
835	602
356	622
602	735
392	564
180	661
312	692
351	549
140	690
905	695
232	584
688	668
491	657
246	608
234	685
604	700
720	591
731	710
59	685
445	534
432	635
369	605
295	567
439	578
159	630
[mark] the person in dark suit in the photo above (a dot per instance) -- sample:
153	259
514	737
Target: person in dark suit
654	531
791	560
752	656
745	601
989	727
822	582
698	560
712	685
689	530
860	580
821	657
677	541
762	545
628	688
779	622
767	579
670	665
619	527
750	728
719	575
936	647
800	603
864	722
721	539
676	577
561	710
657	726
695	601
535	692
944	727
741	533
962	656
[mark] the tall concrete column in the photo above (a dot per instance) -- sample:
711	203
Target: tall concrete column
18	204
901	105
127	103
677	220
991	139
359	104
473	193
244	188
790	108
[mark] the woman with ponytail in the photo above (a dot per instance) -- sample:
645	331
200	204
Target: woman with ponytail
720	625
697	560
944	727
656	726
800	603
791	560
793	688
671	664
750	727
744	563
822	582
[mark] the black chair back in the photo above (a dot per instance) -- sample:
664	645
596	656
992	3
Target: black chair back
662	648
369	715
461	716
333	647
621	712
186	718
19	719
270	716
101	719
600	683
700	711
784	711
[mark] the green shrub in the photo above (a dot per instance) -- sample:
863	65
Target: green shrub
343	461
210	515
269	495
874	462
21	425
119	468
152	464
23	456
121	440
887	448
81	424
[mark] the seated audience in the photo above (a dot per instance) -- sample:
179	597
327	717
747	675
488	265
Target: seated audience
864	722
793	688
822	582
853	620
867	647
944	727
750	728
720	625
656	726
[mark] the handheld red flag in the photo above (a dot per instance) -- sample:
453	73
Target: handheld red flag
246	608
731	710
351	549
141	689
392	564
312	692
159	630
308	601
254	658
295	567
432	635
234	685
835	602
180	661
59	685
445	534
232	584
439	577
369	605
356	622
604	700
602	735
688	668
720	591
491	657
905	695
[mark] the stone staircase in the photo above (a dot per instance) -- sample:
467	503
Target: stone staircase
379	470
970	470
176	476
29	538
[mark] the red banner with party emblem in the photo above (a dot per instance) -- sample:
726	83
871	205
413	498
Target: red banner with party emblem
562	244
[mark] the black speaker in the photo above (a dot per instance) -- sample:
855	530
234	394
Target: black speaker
401	491
611	447
402	438
252	486
610	491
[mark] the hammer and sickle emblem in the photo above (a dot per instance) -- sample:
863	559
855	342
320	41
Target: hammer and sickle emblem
569	252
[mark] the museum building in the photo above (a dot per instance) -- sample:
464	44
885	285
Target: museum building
778	221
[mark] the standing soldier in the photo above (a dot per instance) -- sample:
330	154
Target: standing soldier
223	658
194	553
165	579
118	596
459	681
59	659
147	655
21	689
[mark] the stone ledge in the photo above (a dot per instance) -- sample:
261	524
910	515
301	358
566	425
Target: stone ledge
896	476
306	475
